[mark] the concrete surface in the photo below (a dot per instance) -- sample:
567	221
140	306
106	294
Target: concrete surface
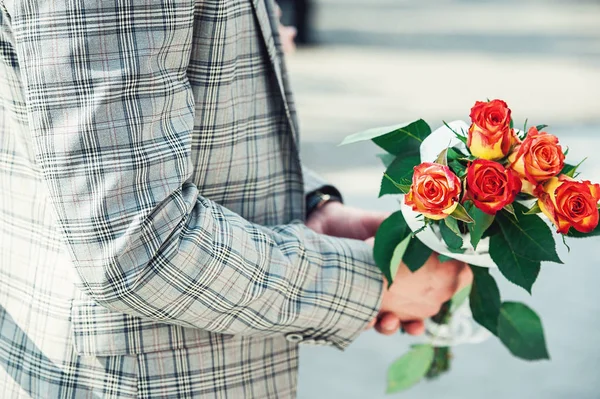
385	61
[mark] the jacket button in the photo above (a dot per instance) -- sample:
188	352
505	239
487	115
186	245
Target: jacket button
294	337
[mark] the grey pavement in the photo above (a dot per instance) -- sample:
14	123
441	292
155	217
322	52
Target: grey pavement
381	62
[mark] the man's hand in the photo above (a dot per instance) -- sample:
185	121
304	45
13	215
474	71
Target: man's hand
338	220
412	297
416	296
287	34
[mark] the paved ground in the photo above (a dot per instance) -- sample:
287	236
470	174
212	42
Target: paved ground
385	61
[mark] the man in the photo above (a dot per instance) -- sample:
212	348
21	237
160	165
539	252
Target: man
152	201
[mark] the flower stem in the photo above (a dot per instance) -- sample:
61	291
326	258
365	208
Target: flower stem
442	355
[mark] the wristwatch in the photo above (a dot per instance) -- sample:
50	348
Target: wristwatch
317	199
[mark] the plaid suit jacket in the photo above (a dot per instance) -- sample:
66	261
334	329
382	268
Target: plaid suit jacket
151	206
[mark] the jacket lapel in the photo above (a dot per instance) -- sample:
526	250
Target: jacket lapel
267	23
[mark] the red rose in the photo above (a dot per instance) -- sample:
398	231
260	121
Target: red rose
491	186
569	203
490	135
537	159
435	191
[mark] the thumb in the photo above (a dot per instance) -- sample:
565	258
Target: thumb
372	220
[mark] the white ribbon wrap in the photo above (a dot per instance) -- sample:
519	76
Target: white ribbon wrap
461	329
431	147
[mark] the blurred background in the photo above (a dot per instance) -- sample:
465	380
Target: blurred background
380	62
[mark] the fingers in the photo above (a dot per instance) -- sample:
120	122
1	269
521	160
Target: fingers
449	278
372	220
388	324
465	278
277	11
371	324
287	34
416	327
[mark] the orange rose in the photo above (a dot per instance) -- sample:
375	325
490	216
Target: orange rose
490	136
537	159
491	186
435	191
569	203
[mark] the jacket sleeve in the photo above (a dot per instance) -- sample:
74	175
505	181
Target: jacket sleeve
111	115
314	182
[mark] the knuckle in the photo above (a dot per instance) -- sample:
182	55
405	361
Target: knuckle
446	274
450	269
444	293
467	273
433	310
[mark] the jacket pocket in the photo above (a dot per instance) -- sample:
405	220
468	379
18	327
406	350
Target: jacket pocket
98	331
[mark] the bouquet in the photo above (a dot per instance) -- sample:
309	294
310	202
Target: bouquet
487	194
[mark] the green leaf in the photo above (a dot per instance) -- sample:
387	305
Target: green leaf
514	266
493	230
510	209
372	133
442	158
399	174
459	298
452	225
533	235
454	153
485	299
458	168
459	136
416	255
524	242
461	214
520	330
386	158
444	258
391	232
570	170
389	186
534	210
564	240
540	127
452	240
410	368
482	221
576	234
397	256
512	124
399	139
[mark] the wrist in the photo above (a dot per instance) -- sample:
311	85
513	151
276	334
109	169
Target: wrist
317	200
319	219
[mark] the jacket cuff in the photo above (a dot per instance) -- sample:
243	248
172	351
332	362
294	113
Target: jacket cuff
359	298
313	182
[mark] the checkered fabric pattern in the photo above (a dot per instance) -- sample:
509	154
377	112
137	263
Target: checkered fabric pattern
151	206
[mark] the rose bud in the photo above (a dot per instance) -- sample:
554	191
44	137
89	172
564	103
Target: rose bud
569	203
490	135
435	191
537	159
491	186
